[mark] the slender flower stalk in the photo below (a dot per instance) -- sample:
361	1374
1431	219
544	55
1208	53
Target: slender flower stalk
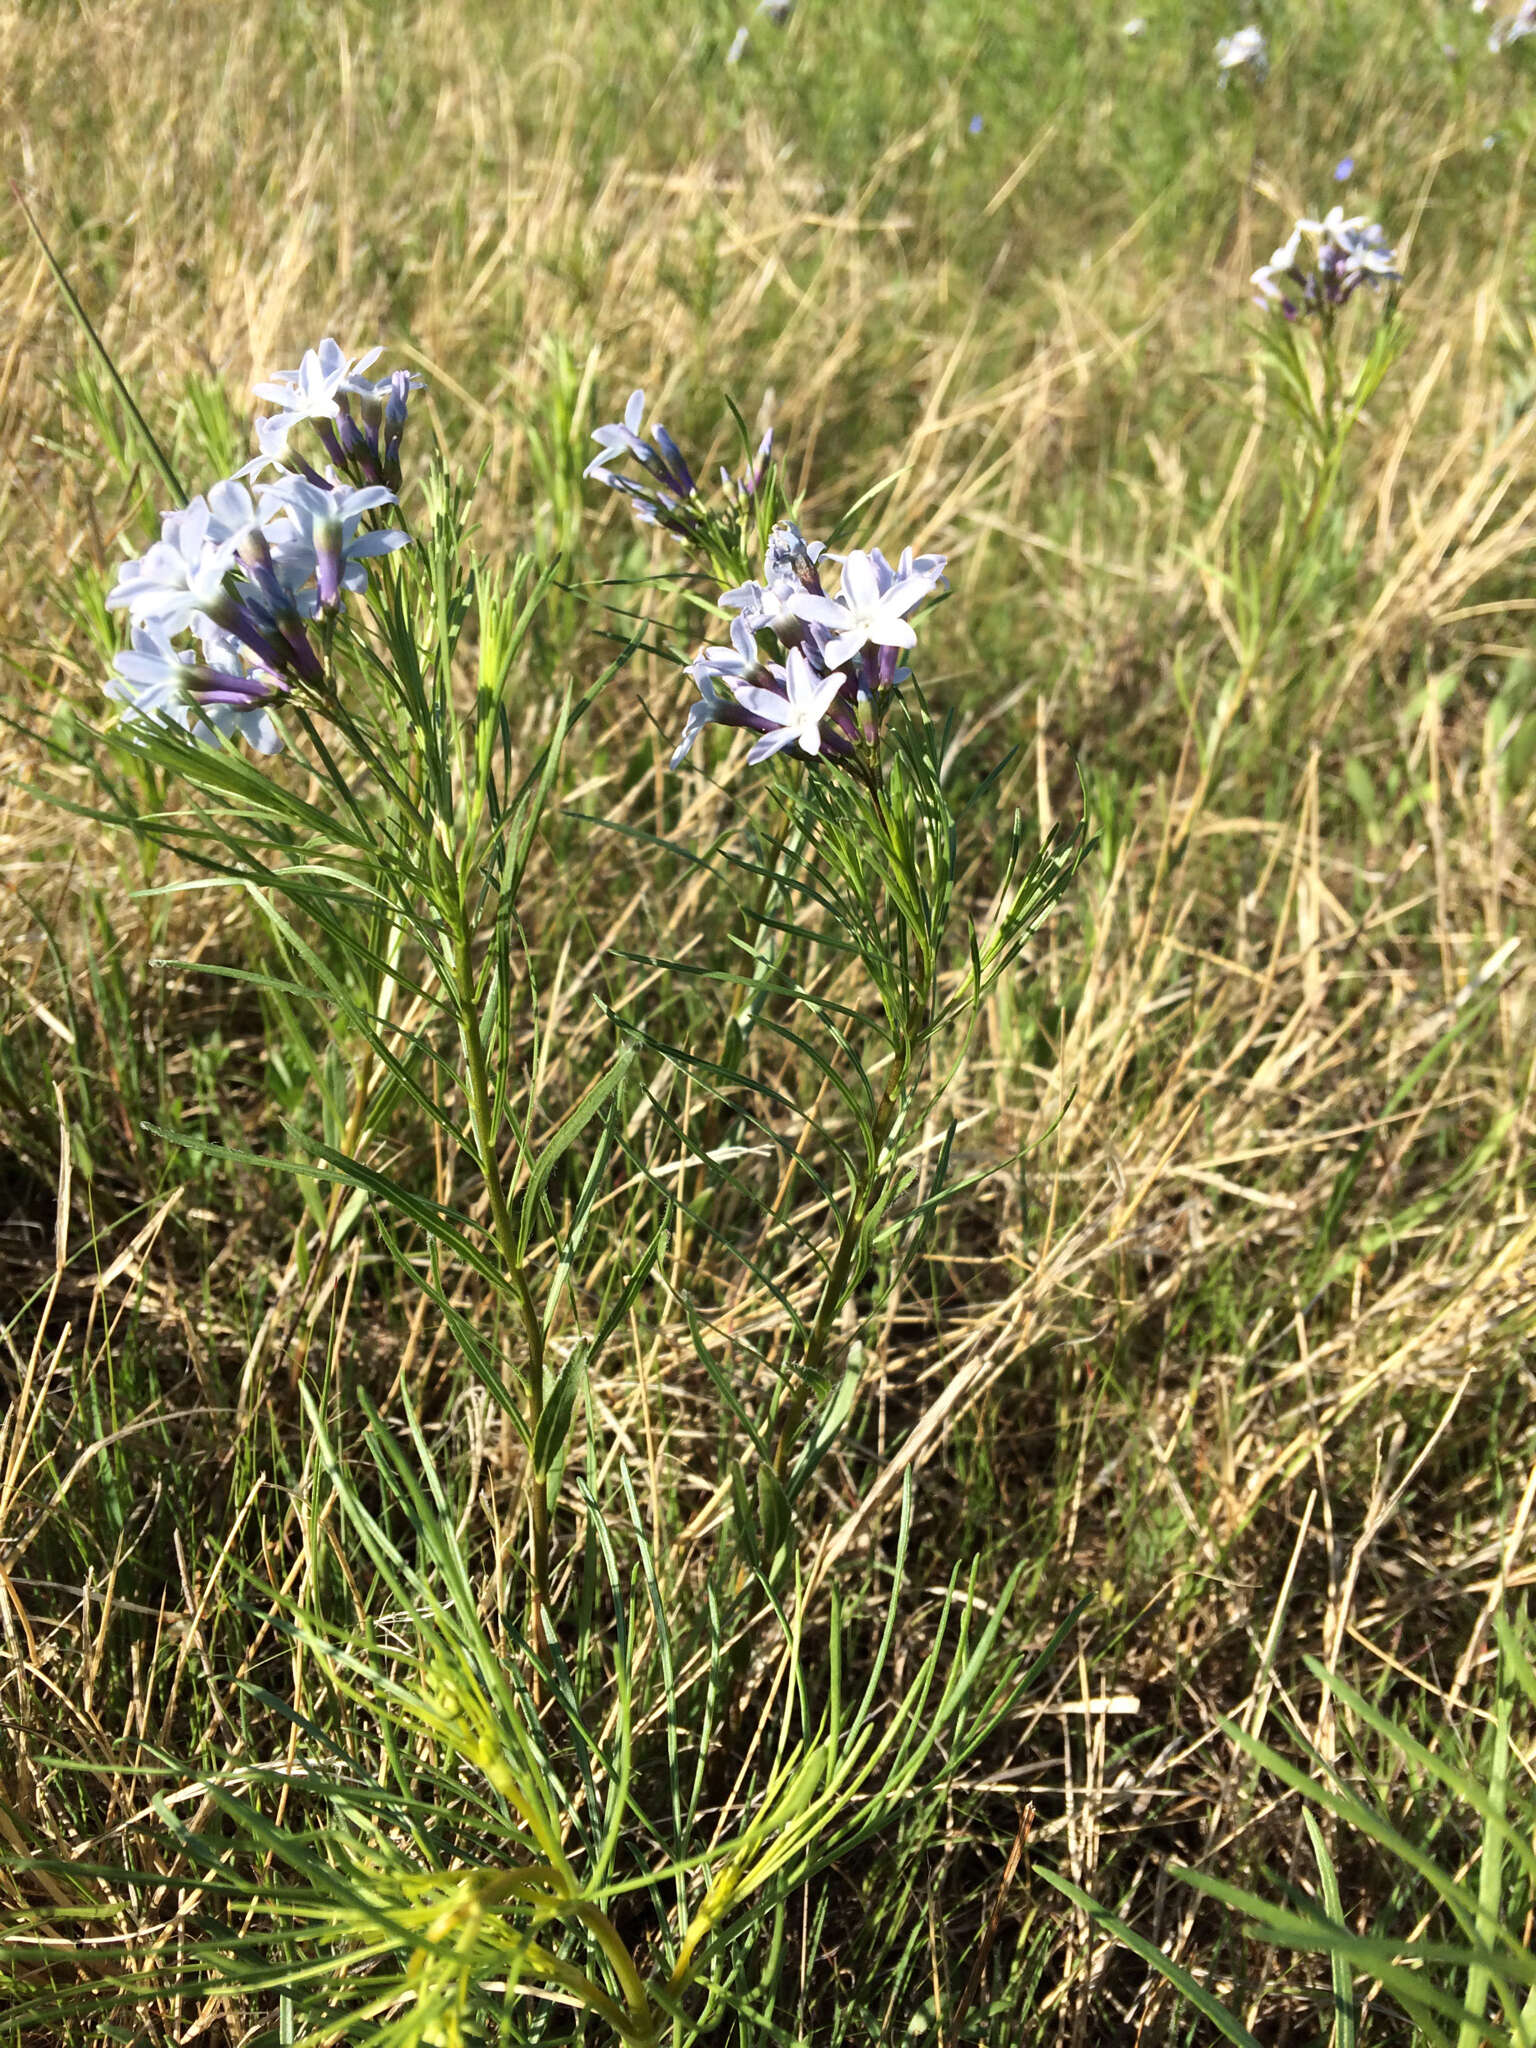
1317	388
480	1091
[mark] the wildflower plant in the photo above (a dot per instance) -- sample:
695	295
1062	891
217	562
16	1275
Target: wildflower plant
864	945
481	1826
466	1861
1320	365
290	612
1344	255
1316	371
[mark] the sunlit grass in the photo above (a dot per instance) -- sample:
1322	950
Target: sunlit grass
1234	1339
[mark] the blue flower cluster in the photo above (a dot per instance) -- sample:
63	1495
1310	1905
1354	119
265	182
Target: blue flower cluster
837	651
1346	254
664	494
222	604
830	653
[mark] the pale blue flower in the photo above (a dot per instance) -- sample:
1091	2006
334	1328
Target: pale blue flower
272	431
870	609
791	558
737	665
1348	252
322	535
312	391
625	435
215	566
178	576
763	607
664	460
709	708
1246	50
1520	24
1368	258
1272	278
740	662
159	683
794	719
1351	251
930	568
233	514
379	393
358	419
666	495
364	441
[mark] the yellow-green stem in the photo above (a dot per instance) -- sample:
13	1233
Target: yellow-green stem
481	1098
597	1923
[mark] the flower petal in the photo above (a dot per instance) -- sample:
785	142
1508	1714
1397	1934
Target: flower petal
818	611
384	543
889	631
772	743
861	582
845	646
762	703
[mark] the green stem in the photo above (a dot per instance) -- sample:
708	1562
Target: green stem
597	1923
550	1889
626	2025
821	1330
1330	462
481	1098
351	1139
870	1187
1295	541
718	1121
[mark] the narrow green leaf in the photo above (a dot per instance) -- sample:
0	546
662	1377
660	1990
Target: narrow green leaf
560	1140
559	1406
1226	2023
1344	2024
152	447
